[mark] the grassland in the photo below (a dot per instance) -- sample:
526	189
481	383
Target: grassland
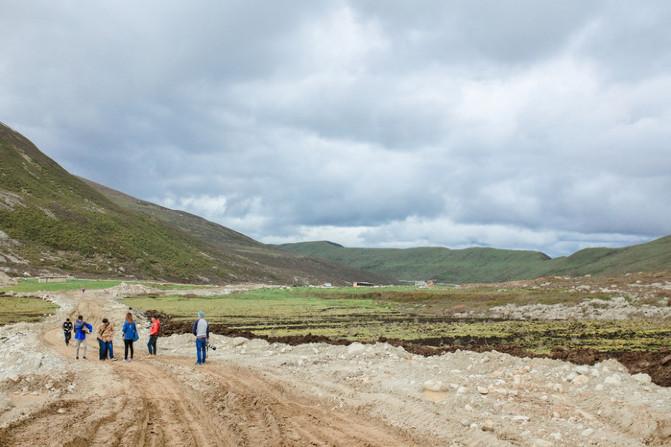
13	310
31	285
423	317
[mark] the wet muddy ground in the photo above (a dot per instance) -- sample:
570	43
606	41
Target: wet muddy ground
655	363
27	309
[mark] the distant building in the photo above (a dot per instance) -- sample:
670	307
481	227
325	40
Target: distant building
362	284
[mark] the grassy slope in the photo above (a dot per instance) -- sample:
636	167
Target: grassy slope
62	222
649	257
488	264
222	241
469	265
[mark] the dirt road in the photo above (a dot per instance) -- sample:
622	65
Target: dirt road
168	401
256	393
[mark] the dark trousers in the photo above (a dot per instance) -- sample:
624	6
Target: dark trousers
109	349
68	336
127	345
102	349
151	344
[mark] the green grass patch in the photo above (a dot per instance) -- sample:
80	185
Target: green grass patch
169	286
259	305
32	285
14	309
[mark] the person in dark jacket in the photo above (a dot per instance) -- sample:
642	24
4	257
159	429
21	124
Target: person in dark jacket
67	331
130	335
201	329
81	329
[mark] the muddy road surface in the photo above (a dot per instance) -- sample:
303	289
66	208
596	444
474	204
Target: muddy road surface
168	401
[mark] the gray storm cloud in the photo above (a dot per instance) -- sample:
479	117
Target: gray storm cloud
541	125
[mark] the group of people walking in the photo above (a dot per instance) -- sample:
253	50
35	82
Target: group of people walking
105	336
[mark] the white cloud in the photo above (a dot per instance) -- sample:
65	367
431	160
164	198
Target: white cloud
518	124
211	207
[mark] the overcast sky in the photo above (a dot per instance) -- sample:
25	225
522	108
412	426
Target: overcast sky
516	124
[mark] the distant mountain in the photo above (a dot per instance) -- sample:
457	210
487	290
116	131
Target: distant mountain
51	220
489	264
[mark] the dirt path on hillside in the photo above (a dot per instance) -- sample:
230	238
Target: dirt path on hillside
167	401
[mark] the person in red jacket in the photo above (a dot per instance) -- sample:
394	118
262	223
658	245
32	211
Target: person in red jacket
154	329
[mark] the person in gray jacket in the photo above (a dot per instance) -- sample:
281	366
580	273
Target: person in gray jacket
201	329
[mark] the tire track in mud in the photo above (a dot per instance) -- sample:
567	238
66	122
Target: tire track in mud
174	415
256	411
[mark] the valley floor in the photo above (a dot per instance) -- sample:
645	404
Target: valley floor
255	393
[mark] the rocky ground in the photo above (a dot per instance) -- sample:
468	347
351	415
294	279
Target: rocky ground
617	308
641	295
466	398
259	393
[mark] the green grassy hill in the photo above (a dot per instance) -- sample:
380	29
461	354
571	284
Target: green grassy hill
52	220
649	257
489	264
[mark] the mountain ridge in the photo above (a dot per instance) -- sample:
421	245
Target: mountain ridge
484	264
53	221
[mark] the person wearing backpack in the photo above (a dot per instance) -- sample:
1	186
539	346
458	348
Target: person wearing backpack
154	330
67	331
81	329
201	329
130	335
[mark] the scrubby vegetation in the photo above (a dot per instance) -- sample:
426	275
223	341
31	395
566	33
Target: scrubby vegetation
427	317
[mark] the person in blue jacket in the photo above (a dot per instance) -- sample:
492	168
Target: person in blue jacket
81	329
130	335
